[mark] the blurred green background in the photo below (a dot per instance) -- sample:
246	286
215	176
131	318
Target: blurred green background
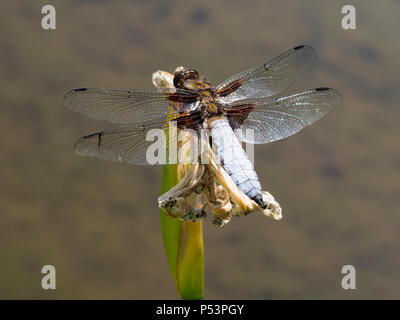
98	223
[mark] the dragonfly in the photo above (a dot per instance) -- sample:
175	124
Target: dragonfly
247	100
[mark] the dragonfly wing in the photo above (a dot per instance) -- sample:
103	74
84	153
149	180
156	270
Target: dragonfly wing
141	145
275	119
129	107
268	79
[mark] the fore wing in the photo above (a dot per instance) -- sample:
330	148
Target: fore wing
268	79
129	107
274	119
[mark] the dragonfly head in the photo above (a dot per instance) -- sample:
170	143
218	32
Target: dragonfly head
186	78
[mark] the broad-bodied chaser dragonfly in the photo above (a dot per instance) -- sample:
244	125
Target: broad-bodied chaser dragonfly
246	100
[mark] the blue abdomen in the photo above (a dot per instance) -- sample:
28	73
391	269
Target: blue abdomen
234	158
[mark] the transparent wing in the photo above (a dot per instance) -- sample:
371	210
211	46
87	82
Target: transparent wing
129	107
268	79
275	119
140	145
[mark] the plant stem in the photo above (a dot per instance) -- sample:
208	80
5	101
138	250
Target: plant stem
183	243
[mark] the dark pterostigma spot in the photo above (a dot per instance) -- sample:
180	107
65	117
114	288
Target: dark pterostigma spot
321	89
99	139
91	135
298	47
81	89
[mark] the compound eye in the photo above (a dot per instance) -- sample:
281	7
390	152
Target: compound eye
181	76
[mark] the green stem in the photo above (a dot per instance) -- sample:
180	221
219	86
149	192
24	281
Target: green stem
183	243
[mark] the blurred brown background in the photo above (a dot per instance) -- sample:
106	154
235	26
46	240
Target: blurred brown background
98	223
